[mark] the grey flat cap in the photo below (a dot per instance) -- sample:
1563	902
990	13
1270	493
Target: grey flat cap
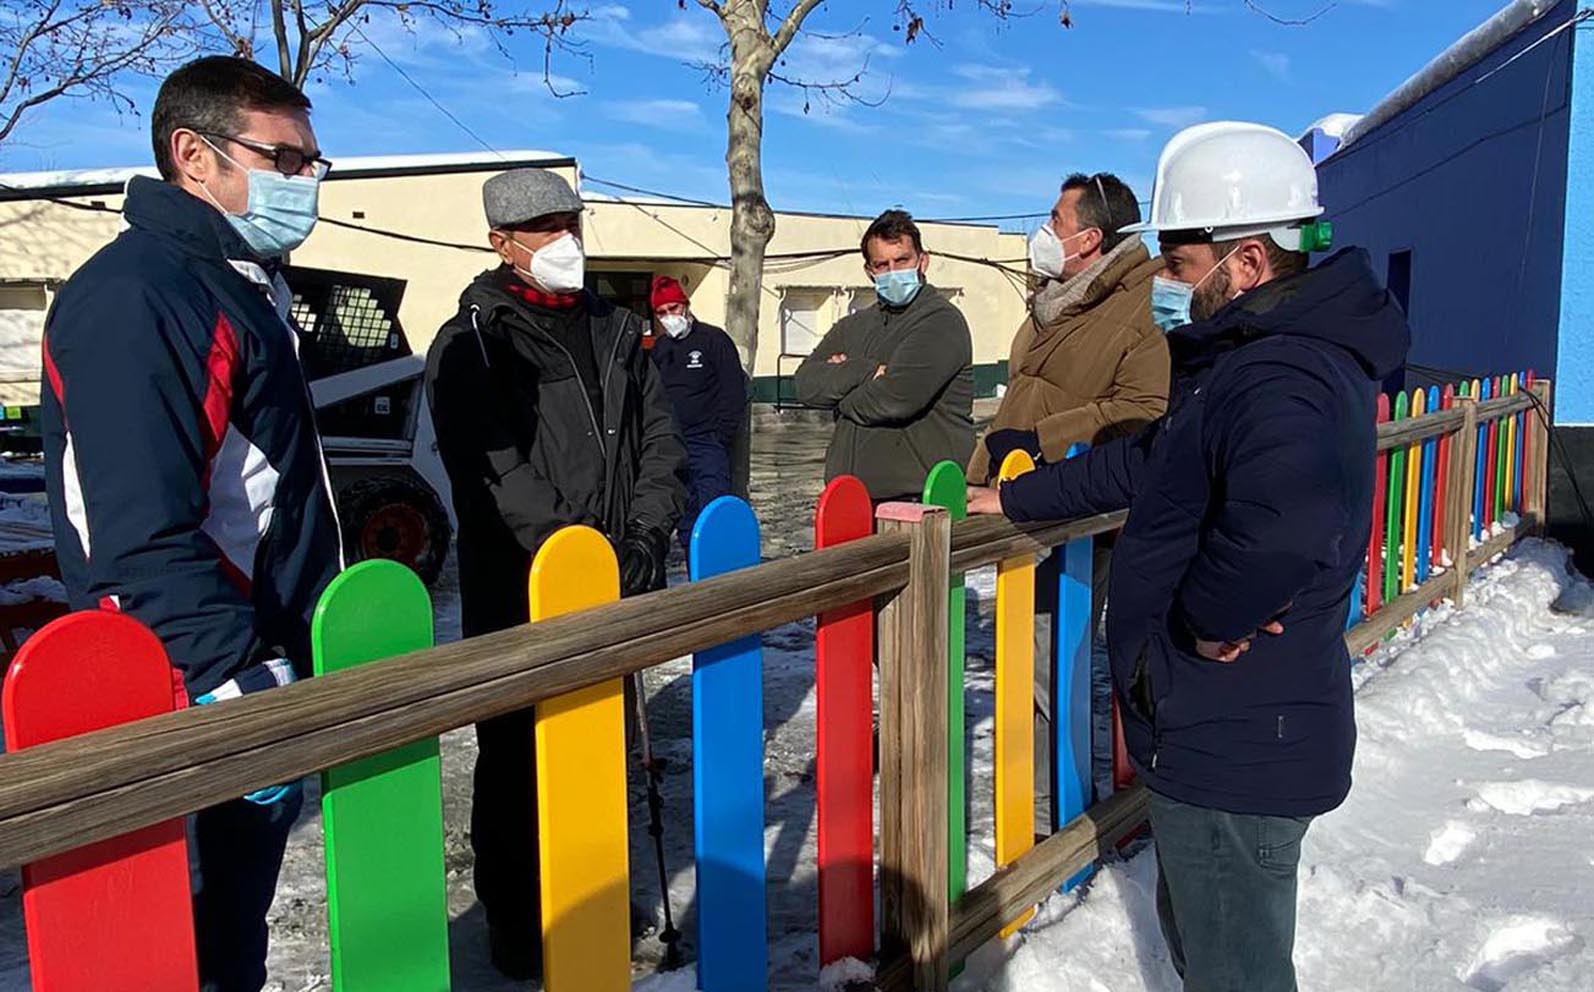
522	195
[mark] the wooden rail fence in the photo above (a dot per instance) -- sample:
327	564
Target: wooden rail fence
1460	476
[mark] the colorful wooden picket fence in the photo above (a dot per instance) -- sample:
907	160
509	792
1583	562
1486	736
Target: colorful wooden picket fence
387	900
387	895
1412	533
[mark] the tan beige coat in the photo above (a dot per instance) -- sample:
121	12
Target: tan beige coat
1088	365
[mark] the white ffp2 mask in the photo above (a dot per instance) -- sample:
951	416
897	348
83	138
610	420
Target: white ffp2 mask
559	266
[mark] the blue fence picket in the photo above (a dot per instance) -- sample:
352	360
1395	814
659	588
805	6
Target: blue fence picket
1430	462
1481	470
728	773
1071	723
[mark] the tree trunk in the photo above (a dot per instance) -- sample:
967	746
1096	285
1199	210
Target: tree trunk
752	222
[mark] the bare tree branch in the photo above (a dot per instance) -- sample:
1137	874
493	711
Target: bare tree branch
304	32
1294	22
221	19
793	24
64	48
279	26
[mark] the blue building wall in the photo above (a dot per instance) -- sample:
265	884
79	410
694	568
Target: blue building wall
1575	368
1472	180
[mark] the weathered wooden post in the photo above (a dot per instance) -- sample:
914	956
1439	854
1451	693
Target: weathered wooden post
1536	501
913	747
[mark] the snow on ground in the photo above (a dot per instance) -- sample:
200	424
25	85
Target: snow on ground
24	523
27	590
1461	859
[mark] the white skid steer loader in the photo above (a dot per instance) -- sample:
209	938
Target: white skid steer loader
392	494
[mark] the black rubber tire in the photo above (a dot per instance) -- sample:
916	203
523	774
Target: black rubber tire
390	516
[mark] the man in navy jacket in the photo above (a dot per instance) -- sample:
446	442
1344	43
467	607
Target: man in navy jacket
1249	509
184	472
702	373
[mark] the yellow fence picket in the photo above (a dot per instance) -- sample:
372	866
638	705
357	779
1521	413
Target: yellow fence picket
1015	700
581	790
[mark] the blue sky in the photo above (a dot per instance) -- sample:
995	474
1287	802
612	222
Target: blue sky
984	120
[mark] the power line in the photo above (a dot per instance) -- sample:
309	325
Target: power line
801	259
585	178
422	91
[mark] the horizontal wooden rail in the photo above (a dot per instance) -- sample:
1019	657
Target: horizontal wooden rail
1504	406
986	909
72	792
981	541
1400	433
1393	614
58	796
1500	543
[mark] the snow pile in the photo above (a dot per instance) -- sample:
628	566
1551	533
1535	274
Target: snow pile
24	524
1461	859
843	976
30	590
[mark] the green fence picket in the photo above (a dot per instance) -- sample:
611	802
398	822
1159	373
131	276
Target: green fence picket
387	896
946	487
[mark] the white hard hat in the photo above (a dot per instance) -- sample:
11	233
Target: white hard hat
1229	180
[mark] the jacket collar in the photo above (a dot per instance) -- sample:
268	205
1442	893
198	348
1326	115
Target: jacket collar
489	296
191	223
926	292
1340	301
1058	300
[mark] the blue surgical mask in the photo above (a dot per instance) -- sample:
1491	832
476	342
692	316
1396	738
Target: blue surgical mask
1171	299
1170	302
281	211
898	288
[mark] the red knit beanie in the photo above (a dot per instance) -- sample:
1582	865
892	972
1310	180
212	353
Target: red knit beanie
667	291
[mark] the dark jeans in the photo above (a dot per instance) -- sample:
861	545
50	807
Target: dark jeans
503	823
1226	895
708	467
235	853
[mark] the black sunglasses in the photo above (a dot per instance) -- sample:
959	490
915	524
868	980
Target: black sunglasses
286	159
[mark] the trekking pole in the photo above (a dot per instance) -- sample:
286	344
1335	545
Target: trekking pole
654	770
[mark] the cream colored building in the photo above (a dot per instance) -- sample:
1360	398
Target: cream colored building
814	275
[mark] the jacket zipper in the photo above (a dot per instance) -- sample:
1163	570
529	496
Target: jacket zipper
608	370
592	415
586	400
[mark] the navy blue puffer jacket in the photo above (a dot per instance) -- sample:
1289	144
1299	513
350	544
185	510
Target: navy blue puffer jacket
1250	500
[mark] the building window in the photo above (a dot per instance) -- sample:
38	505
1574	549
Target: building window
1399	280
801	327
629	290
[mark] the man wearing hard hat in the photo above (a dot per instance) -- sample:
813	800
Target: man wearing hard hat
1249	510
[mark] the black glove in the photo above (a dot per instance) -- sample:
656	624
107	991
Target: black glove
641	564
999	444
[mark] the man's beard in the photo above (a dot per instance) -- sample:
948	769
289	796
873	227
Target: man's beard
1211	296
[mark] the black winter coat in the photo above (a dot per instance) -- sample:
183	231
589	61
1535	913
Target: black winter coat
702	372
527	454
1251	499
